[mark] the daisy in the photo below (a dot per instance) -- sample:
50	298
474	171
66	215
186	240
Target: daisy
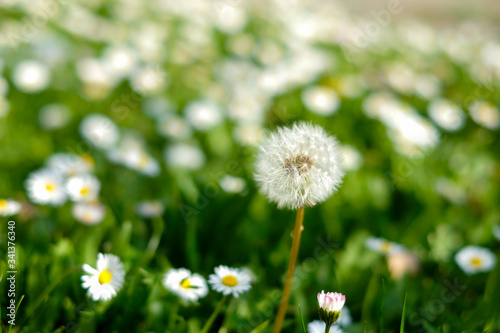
317	326
474	259
150	208
45	187
446	114
330	306
383	246
140	160
321	100
69	164
299	166
83	188
31	76
485	114
184	156
88	213
231	184
54	116
187	286
104	282
9	207
203	115
99	130
228	280
351	158
173	127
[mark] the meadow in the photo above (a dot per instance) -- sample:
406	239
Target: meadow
135	166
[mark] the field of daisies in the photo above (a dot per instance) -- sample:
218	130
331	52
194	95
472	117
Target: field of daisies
246	166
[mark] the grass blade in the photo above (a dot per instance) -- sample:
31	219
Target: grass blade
302	319
402	329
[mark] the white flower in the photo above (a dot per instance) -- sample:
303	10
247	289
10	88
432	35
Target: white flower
231	184
446	114
228	280
83	188
475	259
46	187
331	302
203	115
184	156
317	326
299	166
150	208
148	80
321	100
120	60
345	319
67	164
104	282
187	286
330	306
9	207
99	130
142	161
88	213
249	134
31	76
383	246
173	127
485	114
351	158
54	116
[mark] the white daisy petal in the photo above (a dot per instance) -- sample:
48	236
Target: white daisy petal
228	280
104	282
187	286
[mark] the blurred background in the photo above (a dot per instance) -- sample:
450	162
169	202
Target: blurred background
158	108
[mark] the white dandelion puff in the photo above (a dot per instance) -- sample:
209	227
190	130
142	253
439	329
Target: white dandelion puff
299	166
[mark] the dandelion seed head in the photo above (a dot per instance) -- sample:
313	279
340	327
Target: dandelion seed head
298	166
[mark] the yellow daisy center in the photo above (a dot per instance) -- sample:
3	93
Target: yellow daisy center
50	187
87	216
229	280
475	261
186	284
105	277
88	159
385	246
143	161
84	190
3	203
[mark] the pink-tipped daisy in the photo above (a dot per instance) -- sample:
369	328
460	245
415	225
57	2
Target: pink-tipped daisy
330	306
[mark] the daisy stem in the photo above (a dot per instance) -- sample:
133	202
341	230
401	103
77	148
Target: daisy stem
214	314
297	231
327	328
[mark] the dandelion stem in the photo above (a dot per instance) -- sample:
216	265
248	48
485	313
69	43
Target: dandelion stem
297	231
214	314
